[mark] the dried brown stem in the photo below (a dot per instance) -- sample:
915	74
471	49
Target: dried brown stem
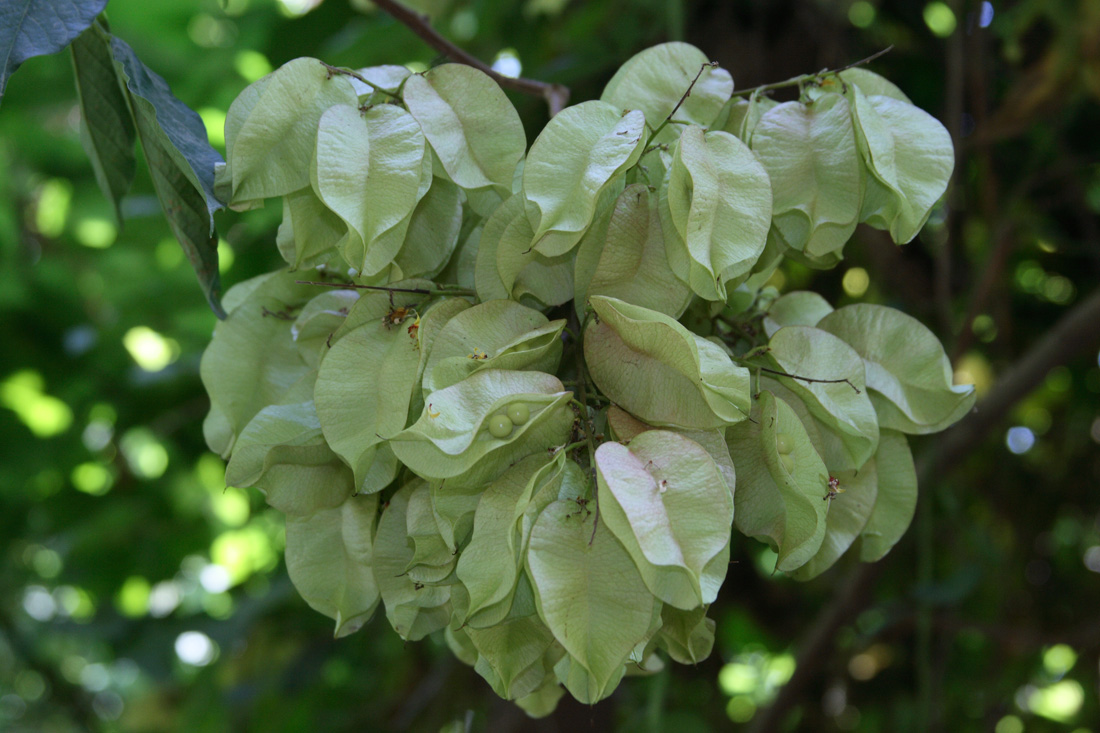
556	95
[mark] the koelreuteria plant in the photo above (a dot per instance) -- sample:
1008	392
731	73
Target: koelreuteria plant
471	391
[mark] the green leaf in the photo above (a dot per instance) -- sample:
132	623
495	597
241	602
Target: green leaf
30	28
513	651
451	440
433	231
909	156
588	592
181	163
573	159
328	558
828	443
623	256
659	371
461	268
809	152
283	453
907	369
377	198
271	128
896	500
106	123
585	687
624	427
720	208
543	700
489	566
387	76
309	232
318	320
872	84
779	501
432	559
743	115
843	406
687	636
508	267
413	609
845	518
252	359
526	274
799	308
499	334
665	500
655	80
364	387
431	324
505	220
460	645
375	306
474	130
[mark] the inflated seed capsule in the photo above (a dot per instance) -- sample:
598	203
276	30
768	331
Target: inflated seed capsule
518	413
788	461
783	443
500	426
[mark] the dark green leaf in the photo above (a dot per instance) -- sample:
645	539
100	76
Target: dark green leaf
106	124
181	163
30	28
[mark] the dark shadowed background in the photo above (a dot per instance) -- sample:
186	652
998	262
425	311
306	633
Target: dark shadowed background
138	594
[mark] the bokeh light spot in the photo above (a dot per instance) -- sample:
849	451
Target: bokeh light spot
1059	702
985	15
1059	659
133	597
195	648
940	19
1092	558
24	394
92	478
145	455
861	14
95	233
507	63
52	209
225	256
149	349
1019	439
213	120
251	65
856	281
230	506
974	369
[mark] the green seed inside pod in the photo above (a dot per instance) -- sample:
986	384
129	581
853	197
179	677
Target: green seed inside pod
788	461
783	443
518	413
500	426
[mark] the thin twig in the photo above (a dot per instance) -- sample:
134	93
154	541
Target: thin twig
798	80
356	75
388	289
809	379
556	95
683	98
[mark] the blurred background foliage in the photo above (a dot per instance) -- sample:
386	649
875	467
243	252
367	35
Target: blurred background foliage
137	593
